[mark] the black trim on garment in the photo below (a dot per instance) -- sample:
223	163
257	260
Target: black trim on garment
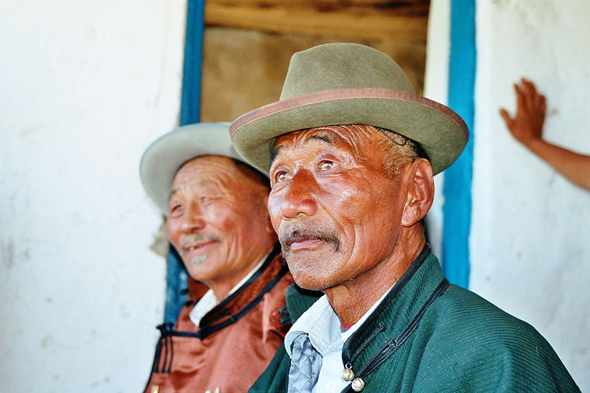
392	344
165	341
276	249
167	329
285	317
347	357
209	328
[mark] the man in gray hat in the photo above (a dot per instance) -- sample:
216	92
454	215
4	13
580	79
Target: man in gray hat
216	218
351	151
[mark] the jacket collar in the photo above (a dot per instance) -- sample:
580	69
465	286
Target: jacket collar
399	307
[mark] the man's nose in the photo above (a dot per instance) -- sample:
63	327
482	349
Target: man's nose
299	197
192	219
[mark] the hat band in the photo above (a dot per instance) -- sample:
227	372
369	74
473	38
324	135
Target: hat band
345	94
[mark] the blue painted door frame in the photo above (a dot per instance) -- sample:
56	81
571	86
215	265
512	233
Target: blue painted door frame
458	178
190	110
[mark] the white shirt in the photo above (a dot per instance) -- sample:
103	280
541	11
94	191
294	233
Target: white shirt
322	325
209	301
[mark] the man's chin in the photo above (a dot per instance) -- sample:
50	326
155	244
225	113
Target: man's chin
197	260
310	282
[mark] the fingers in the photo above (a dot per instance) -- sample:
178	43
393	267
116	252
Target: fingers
510	122
531	98
528	87
520	97
542	104
507	119
527	123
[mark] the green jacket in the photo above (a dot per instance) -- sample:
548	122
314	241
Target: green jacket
430	336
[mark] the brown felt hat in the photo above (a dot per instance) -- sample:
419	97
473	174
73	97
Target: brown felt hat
337	84
164	157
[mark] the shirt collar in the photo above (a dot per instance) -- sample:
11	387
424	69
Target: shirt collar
209	301
321	324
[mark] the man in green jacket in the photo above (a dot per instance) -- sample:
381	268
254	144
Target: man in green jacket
351	151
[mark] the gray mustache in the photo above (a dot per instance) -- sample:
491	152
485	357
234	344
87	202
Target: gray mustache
300	235
197	237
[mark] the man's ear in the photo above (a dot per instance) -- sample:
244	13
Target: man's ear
420	193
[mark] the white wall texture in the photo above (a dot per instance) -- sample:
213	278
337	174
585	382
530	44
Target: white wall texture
85	86
529	236
436	87
530	245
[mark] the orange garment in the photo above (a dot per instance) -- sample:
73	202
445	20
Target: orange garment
233	357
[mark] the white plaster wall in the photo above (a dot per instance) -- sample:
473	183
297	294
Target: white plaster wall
436	87
529	235
530	248
84	87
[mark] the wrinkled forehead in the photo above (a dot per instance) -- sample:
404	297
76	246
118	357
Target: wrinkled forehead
220	173
204	169
213	173
354	138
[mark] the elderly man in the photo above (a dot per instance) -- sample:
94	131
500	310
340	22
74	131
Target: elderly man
351	151
230	327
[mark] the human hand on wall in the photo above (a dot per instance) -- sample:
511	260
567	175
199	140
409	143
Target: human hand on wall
527	128
527	125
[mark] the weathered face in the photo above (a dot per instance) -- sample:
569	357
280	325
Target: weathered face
335	208
217	220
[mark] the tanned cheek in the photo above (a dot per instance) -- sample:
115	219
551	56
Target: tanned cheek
274	211
170	230
346	198
172	236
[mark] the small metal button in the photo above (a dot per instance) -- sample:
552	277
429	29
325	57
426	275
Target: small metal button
358	384
347	374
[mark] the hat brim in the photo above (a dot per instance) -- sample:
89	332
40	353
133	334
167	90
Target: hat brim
440	131
167	154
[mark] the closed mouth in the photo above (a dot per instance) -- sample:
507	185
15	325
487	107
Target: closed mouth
299	240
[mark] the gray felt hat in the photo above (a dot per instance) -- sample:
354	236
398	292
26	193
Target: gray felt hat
167	154
336	84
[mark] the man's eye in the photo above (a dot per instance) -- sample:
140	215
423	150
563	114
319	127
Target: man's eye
326	165
207	199
281	176
175	208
